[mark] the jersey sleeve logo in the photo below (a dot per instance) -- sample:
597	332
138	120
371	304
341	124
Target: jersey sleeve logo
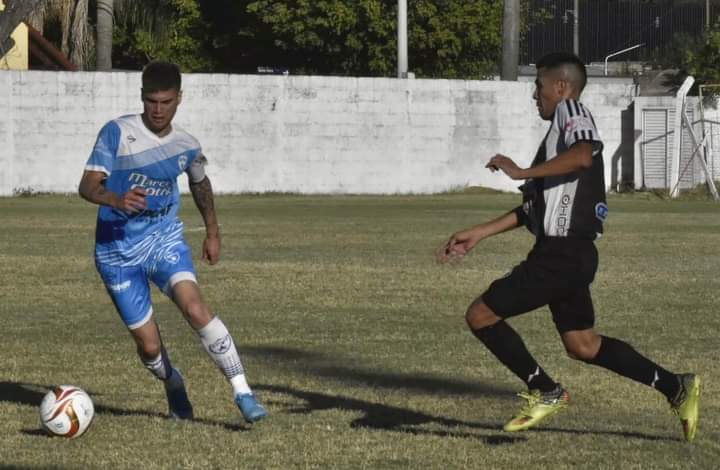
578	123
182	162
601	211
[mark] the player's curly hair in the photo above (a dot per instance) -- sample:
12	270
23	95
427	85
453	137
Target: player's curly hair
160	76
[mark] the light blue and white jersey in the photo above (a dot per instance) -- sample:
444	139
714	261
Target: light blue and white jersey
133	156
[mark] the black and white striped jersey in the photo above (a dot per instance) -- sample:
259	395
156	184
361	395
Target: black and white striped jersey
571	205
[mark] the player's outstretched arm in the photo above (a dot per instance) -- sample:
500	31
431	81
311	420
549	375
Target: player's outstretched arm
92	188
461	243
203	196
577	157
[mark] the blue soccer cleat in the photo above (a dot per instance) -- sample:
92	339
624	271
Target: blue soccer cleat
251	410
178	402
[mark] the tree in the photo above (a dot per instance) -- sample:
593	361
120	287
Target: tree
67	24
456	38
447	38
239	41
129	33
15	12
104	34
703	63
171	30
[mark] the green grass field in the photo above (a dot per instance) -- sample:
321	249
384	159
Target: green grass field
355	340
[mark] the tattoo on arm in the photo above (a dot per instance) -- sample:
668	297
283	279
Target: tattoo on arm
92	188
101	192
203	196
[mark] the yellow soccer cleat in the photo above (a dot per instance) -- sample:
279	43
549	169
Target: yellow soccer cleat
687	404
538	407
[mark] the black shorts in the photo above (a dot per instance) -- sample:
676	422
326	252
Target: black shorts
557	273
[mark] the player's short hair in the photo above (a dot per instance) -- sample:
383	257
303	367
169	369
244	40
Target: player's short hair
573	68
160	76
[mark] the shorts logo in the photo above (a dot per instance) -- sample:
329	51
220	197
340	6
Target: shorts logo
601	211
172	258
221	346
119	287
182	162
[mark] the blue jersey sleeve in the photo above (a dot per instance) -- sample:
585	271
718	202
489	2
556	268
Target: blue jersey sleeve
105	150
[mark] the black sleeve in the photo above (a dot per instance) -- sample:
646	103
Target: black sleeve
521	215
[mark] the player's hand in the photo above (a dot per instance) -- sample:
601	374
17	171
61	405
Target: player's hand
211	249
457	246
506	165
133	201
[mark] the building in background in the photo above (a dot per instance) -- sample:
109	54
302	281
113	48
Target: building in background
18	57
32	51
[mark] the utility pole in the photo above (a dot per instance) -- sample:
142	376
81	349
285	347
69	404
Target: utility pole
103	49
576	28
511	40
707	15
402	52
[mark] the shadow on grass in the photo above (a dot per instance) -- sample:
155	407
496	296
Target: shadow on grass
379	416
32	395
319	365
389	418
599	432
392	418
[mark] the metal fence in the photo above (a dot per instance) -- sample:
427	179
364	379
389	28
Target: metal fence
710	116
607	26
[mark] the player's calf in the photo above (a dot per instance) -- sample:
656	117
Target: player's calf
219	344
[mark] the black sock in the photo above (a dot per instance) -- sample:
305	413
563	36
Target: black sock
509	348
623	359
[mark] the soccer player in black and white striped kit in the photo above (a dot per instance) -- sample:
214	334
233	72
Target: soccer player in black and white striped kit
564	207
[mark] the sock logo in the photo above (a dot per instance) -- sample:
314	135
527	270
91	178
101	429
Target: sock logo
534	374
655	380
222	345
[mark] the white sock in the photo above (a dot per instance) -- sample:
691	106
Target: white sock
240	385
159	366
218	343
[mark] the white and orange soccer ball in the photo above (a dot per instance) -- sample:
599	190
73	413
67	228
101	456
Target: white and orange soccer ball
66	411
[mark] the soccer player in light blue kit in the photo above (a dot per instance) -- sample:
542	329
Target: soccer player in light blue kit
132	174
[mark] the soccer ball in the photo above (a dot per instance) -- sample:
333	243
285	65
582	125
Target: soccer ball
66	411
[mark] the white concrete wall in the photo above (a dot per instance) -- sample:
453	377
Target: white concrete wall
293	133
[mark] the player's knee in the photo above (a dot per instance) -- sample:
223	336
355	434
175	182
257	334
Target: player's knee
581	352
197	312
582	346
148	348
479	316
